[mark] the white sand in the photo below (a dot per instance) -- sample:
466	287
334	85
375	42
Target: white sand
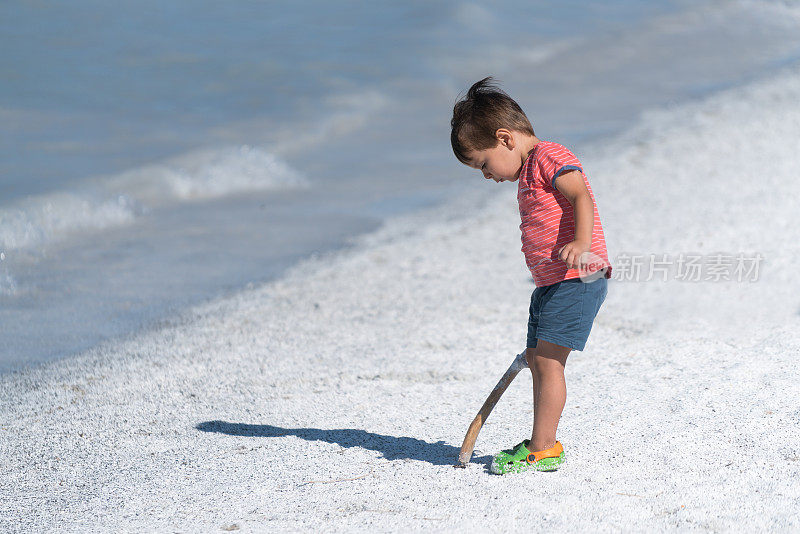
337	397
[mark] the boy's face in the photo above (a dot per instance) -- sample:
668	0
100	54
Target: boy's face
501	163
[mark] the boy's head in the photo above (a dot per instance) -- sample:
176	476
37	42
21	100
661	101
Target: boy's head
485	119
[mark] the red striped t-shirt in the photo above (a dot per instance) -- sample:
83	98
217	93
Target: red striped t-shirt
547	216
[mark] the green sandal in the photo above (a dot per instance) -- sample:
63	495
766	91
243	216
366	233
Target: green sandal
521	459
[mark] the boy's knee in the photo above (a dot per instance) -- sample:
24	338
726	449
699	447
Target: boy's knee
543	358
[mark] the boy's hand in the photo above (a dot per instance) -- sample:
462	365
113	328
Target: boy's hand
572	254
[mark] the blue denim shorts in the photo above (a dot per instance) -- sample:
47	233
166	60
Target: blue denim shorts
563	313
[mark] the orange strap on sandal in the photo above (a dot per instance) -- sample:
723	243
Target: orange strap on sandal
553	452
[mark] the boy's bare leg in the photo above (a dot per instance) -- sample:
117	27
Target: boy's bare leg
546	363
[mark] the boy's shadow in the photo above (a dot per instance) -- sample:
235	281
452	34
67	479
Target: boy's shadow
391	447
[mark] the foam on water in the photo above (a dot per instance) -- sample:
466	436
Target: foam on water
35	221
114	201
208	173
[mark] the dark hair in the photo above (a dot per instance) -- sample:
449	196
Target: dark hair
478	115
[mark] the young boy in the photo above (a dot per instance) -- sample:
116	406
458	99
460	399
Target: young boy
564	248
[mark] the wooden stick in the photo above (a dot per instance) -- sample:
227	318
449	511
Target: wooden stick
468	446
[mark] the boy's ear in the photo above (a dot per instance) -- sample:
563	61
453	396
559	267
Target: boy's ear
504	137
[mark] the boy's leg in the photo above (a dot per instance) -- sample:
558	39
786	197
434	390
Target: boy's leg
546	363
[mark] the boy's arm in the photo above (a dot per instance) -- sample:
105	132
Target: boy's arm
572	186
